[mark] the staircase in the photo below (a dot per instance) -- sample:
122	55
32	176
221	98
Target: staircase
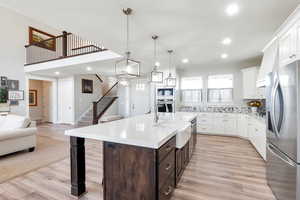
86	119
101	106
98	109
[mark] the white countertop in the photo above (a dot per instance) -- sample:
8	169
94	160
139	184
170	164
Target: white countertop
138	130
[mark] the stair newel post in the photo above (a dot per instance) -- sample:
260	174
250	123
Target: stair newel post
65	44
95	121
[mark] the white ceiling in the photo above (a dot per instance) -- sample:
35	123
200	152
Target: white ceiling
193	28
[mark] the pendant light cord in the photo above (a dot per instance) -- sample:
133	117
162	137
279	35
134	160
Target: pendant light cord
170	63
127	34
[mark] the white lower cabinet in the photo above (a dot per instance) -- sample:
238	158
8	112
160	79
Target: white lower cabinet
230	124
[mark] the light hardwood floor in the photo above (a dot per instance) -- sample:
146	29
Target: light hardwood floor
222	168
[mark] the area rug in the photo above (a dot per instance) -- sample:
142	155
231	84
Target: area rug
48	151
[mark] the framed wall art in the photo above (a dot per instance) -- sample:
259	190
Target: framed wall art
87	86
32	97
36	36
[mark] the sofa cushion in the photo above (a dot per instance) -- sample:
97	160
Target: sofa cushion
11	122
17	133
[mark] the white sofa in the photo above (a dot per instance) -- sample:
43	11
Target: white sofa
17	133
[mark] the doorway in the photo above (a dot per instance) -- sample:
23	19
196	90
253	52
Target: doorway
41	102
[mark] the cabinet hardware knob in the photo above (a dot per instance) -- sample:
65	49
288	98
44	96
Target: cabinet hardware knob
168	167
168	148
168	192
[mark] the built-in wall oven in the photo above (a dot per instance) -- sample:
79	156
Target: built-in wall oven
165	99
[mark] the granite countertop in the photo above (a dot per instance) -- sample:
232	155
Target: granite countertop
139	130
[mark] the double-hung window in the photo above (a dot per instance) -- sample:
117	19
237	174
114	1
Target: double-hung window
191	90
220	88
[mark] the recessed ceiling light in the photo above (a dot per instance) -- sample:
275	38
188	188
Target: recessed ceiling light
224	55
232	9
89	69
57	73
157	64
227	41
185	60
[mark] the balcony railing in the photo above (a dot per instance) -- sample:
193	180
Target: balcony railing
62	46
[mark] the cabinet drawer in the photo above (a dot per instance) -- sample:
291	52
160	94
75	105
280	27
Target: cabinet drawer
204	121
203	129
166	168
204	115
166	149
166	191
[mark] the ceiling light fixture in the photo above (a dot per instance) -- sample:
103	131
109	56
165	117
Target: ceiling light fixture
156	76
185	60
127	67
89	69
170	81
227	41
57	73
232	9
224	56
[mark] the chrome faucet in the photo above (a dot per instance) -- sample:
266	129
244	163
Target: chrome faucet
156	117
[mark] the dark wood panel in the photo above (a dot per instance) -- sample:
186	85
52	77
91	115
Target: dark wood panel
166	191
166	148
166	168
77	166
129	172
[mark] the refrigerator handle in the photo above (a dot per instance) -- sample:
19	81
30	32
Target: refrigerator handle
273	96
280	155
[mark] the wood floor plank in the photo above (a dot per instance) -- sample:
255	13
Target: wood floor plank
222	168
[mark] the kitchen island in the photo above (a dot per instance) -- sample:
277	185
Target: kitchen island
140	157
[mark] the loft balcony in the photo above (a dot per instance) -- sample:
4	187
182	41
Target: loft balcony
64	50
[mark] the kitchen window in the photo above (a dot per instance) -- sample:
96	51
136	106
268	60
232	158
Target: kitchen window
220	88
191	90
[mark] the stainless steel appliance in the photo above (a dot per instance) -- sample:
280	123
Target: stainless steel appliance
283	131
165	99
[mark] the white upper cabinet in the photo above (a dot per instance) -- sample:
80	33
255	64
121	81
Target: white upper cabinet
249	83
288	37
269	62
288	47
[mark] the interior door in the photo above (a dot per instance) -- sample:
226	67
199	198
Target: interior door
140	97
66	100
284	108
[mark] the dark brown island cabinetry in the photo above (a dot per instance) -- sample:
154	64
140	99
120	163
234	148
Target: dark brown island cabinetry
138	173
134	172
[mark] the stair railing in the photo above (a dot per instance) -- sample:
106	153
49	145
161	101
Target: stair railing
96	114
58	47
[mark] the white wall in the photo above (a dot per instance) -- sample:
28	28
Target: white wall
14	35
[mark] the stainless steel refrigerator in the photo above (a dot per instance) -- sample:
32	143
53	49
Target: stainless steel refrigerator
283	131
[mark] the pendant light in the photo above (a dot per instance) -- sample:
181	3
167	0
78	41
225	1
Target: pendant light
170	81
127	68
156	76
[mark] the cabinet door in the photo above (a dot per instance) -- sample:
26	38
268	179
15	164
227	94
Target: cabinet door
218	126
249	83
288	47
229	126
242	126
297	39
